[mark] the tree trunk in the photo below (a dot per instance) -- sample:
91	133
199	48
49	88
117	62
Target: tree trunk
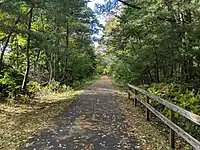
172	70
54	66
27	51
66	53
185	71
157	68
157	71
150	77
39	51
51	69
67	36
36	60
6	44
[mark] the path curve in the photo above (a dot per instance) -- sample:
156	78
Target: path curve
94	122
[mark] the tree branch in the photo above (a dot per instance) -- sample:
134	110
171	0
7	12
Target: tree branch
130	5
2	39
166	19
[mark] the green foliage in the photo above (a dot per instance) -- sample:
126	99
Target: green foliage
10	82
34	87
45	43
65	88
186	100
156	47
10	98
174	94
53	88
156	43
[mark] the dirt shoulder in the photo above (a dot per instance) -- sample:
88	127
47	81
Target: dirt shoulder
147	133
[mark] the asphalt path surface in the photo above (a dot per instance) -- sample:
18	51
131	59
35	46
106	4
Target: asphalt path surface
94	122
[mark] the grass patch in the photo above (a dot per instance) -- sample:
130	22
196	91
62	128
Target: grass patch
19	121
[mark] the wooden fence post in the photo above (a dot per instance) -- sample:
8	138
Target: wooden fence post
172	133
135	95
147	110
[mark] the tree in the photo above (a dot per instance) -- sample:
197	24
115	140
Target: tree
47	40
157	43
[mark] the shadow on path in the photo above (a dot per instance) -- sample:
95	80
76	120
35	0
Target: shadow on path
94	122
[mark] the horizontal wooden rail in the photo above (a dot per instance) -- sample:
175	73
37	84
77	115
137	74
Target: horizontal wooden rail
191	116
173	127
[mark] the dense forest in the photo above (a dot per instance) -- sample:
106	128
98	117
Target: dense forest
156	45
48	48
45	42
159	43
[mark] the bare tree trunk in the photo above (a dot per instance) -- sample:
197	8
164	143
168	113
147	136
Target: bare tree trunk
27	51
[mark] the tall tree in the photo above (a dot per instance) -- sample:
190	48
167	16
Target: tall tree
47	41
156	43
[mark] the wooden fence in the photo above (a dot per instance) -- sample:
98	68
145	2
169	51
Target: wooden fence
133	90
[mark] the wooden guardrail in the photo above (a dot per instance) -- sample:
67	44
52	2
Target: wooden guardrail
133	90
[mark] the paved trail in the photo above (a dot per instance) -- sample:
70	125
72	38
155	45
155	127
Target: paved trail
94	122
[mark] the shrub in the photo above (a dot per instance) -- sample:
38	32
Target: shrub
33	87
10	82
182	98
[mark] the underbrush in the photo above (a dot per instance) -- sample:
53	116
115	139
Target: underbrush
174	93
10	81
11	90
180	96
24	116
